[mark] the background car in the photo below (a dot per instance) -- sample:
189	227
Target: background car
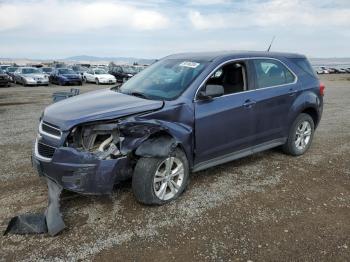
4	79
122	73
99	76
65	76
4	67
79	69
30	76
46	70
10	71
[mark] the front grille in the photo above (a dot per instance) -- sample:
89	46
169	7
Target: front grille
45	150
50	129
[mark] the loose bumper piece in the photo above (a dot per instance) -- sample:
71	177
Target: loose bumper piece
50	222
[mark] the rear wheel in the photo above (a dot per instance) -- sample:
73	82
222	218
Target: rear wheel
97	81
300	135
157	181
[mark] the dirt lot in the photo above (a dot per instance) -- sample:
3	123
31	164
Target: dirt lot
268	206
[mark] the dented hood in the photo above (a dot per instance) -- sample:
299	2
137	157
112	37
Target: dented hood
97	105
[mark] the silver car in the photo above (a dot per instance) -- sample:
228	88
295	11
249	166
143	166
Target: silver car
30	76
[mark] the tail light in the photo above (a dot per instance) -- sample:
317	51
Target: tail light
322	88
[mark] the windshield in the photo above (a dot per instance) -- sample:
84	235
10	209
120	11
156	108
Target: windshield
164	80
100	71
129	70
11	69
1	72
30	71
65	71
47	69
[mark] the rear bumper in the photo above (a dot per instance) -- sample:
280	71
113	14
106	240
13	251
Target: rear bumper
82	172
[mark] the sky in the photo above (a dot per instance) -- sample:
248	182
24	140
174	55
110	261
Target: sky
49	29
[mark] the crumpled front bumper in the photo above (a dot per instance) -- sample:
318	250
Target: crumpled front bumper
82	172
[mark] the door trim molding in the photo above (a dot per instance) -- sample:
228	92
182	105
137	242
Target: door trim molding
238	154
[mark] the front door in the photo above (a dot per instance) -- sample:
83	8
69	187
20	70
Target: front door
225	124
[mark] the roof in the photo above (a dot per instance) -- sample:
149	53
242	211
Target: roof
210	56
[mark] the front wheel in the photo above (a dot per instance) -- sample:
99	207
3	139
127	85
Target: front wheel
97	81
157	181
300	135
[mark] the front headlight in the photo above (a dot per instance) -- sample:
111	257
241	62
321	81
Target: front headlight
31	79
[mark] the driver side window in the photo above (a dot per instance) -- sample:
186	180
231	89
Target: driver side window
232	77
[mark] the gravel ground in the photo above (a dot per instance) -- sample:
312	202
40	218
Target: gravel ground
268	206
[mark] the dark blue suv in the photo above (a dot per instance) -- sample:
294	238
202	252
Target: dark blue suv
184	113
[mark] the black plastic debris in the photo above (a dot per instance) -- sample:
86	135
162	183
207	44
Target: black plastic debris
27	224
50	222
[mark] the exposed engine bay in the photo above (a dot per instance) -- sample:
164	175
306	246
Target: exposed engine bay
103	140
112	140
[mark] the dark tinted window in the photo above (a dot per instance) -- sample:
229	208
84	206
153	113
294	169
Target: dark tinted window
231	77
304	65
272	73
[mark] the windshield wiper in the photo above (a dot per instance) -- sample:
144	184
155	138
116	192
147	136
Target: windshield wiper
139	94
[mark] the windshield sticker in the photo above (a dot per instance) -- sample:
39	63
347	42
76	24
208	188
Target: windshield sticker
189	64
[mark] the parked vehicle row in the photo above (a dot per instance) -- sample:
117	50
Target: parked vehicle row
332	70
60	75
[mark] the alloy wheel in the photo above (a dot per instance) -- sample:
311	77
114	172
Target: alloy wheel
303	135
168	178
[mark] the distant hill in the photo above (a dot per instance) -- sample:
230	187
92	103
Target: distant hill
126	60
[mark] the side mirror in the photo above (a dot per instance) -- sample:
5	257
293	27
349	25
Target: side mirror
211	91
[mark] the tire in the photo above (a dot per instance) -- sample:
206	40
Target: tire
97	81
144	187
292	146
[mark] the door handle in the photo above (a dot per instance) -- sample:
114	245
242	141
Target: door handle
249	103
292	92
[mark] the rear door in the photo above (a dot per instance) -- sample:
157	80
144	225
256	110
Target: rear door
275	91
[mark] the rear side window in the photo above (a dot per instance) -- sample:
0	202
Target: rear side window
272	73
304	65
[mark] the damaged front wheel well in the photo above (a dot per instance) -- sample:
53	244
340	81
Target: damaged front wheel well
160	144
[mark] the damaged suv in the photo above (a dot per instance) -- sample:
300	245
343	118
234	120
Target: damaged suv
184	113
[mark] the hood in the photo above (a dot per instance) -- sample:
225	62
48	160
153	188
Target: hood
94	106
105	76
69	76
37	75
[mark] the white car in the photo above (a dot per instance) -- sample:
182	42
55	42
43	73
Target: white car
99	76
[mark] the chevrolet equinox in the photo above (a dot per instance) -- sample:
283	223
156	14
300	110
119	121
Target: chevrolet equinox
182	114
